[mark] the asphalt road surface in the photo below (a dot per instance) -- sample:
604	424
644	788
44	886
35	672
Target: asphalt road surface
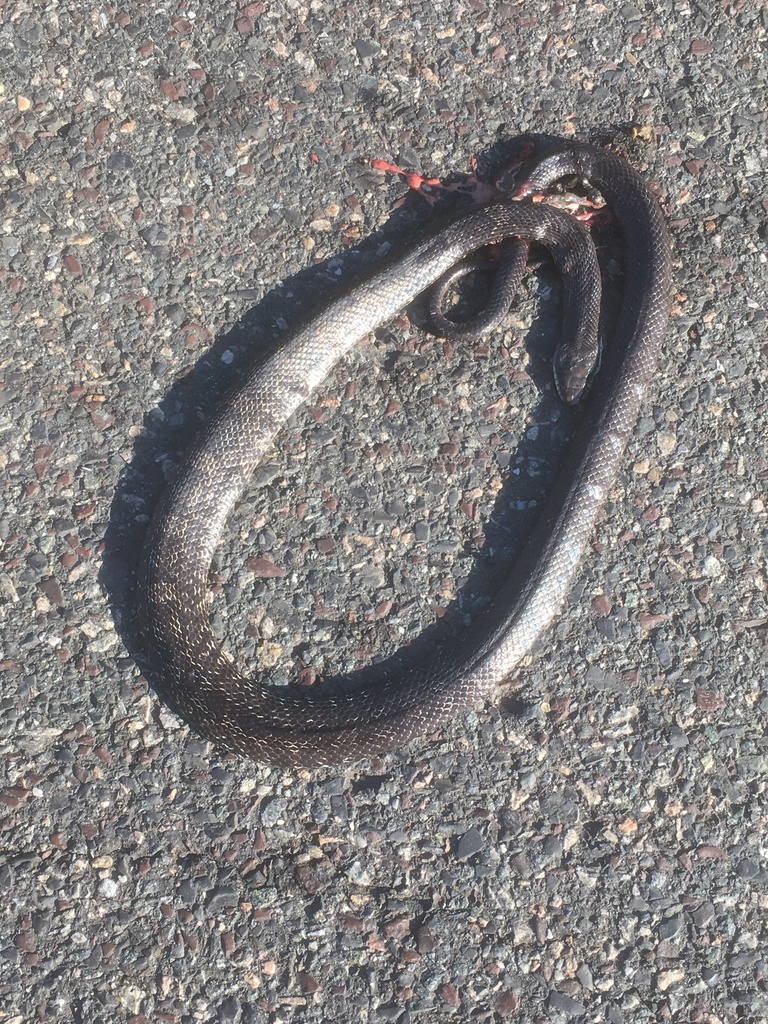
177	184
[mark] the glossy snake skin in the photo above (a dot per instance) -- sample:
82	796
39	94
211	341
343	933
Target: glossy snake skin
305	725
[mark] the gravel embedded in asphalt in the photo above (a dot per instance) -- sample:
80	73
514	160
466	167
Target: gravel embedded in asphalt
178	185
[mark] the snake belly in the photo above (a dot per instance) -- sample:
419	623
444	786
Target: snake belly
306	726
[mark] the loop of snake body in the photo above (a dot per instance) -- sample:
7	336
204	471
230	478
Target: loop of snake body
306	726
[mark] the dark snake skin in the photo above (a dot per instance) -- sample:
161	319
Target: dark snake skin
307	726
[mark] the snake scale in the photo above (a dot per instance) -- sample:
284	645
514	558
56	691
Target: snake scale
306	726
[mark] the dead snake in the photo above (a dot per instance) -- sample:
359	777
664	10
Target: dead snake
304	725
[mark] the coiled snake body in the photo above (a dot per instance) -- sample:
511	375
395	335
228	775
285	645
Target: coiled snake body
305	726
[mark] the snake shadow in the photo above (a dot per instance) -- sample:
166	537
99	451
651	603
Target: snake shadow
169	428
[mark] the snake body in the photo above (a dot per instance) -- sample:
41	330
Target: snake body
305	725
